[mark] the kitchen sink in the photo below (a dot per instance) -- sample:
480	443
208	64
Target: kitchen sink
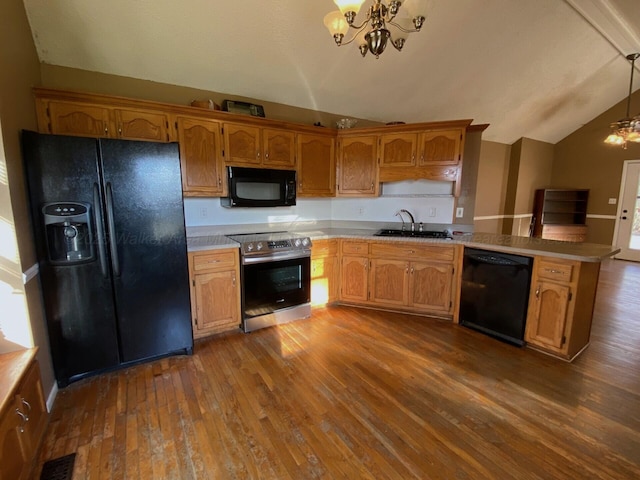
415	234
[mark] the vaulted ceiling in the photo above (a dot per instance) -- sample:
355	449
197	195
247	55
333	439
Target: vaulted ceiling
538	69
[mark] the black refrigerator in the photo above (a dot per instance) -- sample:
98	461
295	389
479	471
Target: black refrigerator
109	229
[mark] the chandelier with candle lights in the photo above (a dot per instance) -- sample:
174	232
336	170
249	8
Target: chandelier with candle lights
628	128
386	22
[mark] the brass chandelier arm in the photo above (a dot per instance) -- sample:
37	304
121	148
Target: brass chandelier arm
354	36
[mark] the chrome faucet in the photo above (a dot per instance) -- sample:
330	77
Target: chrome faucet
413	222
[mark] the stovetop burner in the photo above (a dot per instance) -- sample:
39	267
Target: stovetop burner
270	242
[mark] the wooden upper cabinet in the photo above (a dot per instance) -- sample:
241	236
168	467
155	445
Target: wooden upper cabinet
242	144
441	147
316	166
252	146
279	148
89	120
358	166
137	124
398	149
200	157
78	119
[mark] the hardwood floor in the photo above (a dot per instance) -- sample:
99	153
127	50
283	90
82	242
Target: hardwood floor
354	393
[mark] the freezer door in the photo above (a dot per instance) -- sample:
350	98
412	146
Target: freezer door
78	297
145	220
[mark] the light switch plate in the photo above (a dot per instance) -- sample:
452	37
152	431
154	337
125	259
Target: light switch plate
459	212
613	201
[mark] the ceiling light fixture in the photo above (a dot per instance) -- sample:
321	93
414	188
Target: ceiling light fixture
627	129
383	23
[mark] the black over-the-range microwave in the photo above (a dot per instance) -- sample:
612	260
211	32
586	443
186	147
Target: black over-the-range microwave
260	187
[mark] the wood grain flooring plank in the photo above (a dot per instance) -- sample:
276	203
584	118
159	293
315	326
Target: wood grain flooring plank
357	393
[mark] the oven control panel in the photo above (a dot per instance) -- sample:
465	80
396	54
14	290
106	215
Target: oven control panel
279	245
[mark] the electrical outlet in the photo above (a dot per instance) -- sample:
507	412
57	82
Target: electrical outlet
613	201
204	212
459	212
432	211
361	211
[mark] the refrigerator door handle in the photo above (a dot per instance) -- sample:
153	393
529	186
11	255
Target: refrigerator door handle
102	253
112	232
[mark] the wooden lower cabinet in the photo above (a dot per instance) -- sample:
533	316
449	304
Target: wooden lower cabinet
413	277
215	291
389	282
22	425
324	272
561	305
431	286
354	271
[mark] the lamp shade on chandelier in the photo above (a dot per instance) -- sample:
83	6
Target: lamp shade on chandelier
385	22
628	128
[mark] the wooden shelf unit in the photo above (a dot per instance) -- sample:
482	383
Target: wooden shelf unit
560	214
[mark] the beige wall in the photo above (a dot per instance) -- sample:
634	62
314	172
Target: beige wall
530	166
470	166
20	71
582	160
82	80
491	186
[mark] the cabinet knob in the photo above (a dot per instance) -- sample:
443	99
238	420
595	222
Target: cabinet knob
106	129
266	155
257	154
538	292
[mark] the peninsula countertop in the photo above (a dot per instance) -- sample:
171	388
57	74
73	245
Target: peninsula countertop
584	252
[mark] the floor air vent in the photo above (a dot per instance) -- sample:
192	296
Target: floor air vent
58	468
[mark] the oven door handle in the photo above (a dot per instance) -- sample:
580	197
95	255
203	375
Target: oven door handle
275	257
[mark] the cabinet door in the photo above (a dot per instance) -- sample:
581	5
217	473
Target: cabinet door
216	299
134	124
68	118
316	166
242	144
354	284
440	147
398	149
431	286
31	403
389	282
14	457
200	160
279	148
324	282
358	166
547	317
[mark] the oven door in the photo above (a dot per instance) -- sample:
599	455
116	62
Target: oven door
274	282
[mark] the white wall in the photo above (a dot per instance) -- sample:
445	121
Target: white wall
426	209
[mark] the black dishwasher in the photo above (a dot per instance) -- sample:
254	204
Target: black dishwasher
495	293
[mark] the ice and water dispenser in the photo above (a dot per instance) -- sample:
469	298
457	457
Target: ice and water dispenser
69	237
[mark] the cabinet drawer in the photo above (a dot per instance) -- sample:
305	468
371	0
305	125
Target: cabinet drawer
214	261
355	248
413	251
323	248
551	270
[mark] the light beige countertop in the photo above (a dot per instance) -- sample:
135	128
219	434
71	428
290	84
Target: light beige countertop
210	242
584	252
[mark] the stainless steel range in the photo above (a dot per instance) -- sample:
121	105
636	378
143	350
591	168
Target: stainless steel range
275	271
